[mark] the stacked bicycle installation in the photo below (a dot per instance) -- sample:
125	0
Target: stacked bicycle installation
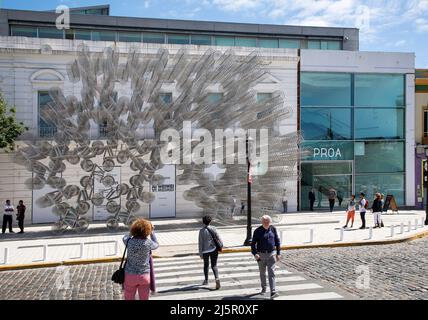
125	143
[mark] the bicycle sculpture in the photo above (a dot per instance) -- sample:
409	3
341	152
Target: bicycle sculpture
125	120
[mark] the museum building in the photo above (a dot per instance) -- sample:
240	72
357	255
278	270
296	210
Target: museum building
355	110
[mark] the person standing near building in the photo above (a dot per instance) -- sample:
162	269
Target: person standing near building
350	212
209	243
377	211
20	215
7	217
242	207
331	198
137	268
311	199
233	206
340	197
362	205
263	246
284	201
320	191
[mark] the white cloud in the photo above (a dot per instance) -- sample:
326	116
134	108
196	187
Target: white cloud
400	43
237	5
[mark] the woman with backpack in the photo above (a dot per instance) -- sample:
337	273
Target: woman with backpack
209	245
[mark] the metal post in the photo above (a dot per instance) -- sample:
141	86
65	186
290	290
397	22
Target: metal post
416	224
402	228
409	226
341	234
311	236
6	255
370	233
248	240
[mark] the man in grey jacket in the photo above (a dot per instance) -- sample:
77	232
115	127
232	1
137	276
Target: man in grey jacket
209	244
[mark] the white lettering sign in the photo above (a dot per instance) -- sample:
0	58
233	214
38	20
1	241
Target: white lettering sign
327	153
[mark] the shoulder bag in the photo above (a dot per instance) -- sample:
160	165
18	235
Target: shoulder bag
119	275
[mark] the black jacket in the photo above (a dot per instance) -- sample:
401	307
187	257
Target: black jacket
377	205
311	195
265	240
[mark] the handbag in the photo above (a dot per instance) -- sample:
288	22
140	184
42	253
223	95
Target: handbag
119	275
217	242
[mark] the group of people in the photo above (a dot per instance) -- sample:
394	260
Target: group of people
140	273
363	206
8	216
331	193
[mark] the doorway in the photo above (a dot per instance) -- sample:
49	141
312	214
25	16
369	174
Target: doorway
325	175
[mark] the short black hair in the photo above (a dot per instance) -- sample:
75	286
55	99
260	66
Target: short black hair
362	194
207	220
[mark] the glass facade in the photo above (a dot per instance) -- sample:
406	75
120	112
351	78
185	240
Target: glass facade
326	89
178	38
357	122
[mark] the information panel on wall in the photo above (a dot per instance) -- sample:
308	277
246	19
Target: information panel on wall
164	204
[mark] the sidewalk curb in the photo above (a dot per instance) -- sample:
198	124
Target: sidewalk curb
420	235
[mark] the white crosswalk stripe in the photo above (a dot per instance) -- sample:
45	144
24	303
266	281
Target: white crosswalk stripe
181	279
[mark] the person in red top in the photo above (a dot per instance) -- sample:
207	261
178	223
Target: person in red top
20	215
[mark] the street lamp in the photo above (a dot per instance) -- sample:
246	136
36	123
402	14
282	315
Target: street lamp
248	240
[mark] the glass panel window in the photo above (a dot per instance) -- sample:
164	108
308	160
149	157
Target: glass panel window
289	43
314	44
379	124
46	128
103	36
381	157
82	35
166	97
52	33
388	184
178	39
24	31
153	37
326	123
214	97
334	45
325	89
264	96
200	40
327	150
268	43
69	34
130	36
379	90
324	45
224	41
245	42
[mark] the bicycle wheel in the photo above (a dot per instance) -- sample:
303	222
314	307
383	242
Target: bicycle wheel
59	227
112	224
81	225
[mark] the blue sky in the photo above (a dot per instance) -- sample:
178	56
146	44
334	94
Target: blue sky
385	25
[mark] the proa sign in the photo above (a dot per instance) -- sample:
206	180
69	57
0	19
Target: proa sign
327	153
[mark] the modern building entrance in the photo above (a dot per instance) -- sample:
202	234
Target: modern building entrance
325	175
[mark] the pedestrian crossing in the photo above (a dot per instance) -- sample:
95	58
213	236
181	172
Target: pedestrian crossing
180	278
